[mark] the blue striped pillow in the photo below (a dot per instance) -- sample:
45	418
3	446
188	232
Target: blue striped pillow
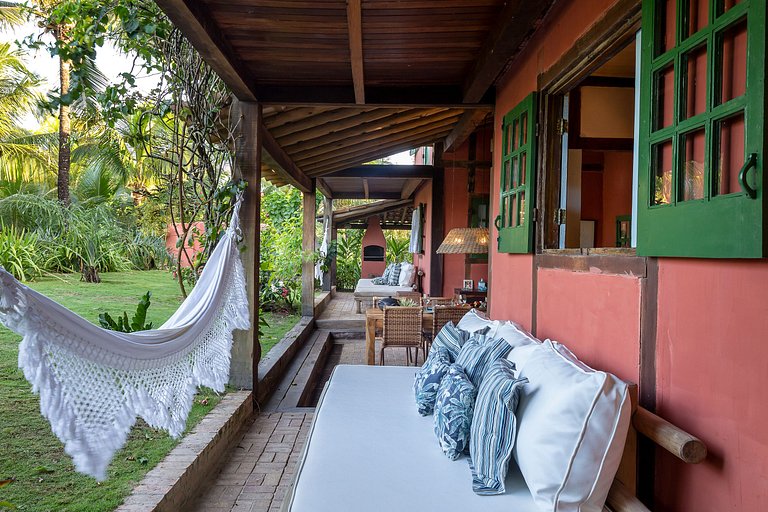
428	379
394	276
479	353
494	428
453	412
450	338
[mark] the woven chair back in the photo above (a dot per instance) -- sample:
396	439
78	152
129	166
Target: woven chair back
441	315
402	327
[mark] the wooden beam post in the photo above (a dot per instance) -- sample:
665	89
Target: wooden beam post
246	350
355	29
308	249
328	221
438	224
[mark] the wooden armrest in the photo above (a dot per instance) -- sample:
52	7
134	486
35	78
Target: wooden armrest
675	440
621	500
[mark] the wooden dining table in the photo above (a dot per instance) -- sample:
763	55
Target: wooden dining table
374	318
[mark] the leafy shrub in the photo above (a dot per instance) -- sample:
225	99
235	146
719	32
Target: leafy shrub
397	246
137	323
348	258
148	252
18	252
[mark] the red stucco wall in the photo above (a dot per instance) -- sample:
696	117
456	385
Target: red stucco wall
424	260
712	325
712	371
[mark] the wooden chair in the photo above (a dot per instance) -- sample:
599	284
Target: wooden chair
441	315
402	328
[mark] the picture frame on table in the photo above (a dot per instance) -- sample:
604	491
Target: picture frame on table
468	284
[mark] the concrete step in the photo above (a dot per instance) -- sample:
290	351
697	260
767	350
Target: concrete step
341	325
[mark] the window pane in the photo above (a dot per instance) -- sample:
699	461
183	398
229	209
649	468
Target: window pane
512	210
524	128
693	165
666	25
665	95
733	62
730	154
522	168
521	205
515	135
503	212
505	176
698	15
515	172
695	66
726	5
662	173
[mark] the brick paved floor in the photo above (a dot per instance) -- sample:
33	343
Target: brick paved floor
258	472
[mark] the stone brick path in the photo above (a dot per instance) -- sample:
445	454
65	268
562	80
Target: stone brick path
259	471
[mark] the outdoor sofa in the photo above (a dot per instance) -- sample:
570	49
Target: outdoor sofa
370	450
366	289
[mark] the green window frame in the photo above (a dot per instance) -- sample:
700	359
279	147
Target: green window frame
517	178
697	198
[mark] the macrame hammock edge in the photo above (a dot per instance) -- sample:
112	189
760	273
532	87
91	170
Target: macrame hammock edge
94	383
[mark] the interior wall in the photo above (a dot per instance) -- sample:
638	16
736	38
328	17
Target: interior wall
617	192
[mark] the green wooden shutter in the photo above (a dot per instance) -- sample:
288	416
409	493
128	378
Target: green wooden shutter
702	101
518	159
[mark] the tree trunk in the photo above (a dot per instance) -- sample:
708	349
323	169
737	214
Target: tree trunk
62	182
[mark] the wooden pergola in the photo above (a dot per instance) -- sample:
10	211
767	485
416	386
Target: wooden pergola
324	86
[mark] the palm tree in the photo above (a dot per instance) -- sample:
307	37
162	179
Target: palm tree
10	14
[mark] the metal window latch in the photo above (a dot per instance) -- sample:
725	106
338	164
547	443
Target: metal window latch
560	216
562	126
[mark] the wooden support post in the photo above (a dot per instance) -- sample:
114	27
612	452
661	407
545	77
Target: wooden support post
438	224
246	350
328	221
308	249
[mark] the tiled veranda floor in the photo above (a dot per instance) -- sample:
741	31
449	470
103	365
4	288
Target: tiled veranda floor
259	471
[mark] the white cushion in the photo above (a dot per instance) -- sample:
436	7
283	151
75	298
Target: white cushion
572	425
474	321
515	335
407	274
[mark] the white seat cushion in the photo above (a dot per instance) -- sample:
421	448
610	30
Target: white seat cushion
572	425
366	288
369	449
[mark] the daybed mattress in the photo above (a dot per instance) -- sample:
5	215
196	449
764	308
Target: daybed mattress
366	288
370	450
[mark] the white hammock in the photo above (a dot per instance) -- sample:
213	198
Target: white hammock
93	383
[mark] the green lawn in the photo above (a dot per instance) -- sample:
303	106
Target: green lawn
44	477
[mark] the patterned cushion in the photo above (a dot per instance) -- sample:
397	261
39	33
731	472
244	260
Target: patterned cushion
379	280
479	353
387	273
428	379
451	338
453	412
394	277
494	427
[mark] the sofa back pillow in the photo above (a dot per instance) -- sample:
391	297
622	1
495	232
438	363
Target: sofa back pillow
572	425
407	274
475	321
515	335
394	277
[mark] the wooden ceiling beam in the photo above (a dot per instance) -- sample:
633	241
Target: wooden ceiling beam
197	25
373	195
468	122
410	187
292	114
366	191
311	122
514	26
374	148
350	125
346	138
287	168
336	162
425	96
364	131
385	171
322	186
355	29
